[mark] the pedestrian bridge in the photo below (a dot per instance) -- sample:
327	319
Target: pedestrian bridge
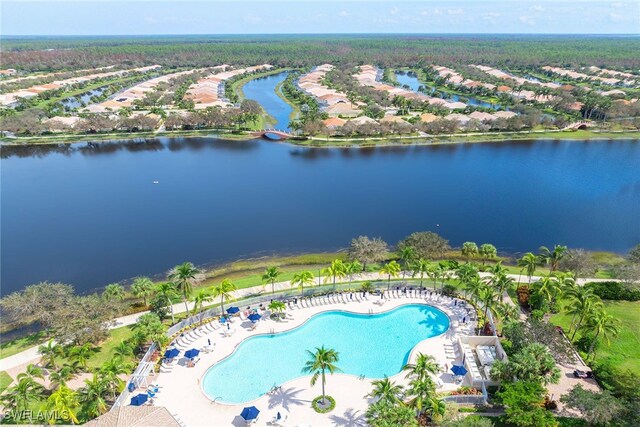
274	134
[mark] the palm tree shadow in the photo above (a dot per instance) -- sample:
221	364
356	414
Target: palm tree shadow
350	418
285	398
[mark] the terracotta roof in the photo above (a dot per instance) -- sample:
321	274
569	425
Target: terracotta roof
334	122
428	117
503	88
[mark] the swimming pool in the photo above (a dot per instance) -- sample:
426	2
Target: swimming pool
370	345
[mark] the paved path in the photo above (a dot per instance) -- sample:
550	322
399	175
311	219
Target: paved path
31	354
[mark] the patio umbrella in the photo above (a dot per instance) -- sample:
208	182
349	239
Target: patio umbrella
223	320
250	413
139	399
191	353
459	370
233	310
254	317
171	353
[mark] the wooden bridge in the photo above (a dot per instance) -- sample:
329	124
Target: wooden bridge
280	134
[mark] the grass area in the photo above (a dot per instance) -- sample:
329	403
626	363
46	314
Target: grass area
624	351
9	348
5	381
237	86
295	108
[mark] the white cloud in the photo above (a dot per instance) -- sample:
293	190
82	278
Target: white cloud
537	8
526	19
252	19
343	13
437	11
456	11
393	11
617	5
490	17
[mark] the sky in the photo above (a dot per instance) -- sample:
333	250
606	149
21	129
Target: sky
143	17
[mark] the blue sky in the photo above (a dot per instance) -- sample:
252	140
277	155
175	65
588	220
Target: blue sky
104	17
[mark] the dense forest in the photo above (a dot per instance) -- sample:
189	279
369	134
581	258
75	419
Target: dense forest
65	53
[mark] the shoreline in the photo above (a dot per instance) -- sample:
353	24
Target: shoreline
318	142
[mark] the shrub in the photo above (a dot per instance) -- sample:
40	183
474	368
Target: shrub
617	291
523	295
320	410
449	290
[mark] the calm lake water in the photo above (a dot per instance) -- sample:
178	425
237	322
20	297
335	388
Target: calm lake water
410	79
263	91
90	214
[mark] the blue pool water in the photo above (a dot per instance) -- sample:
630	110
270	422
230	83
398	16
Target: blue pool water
369	345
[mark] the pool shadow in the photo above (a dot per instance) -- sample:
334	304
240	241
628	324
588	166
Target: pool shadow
350	418
286	397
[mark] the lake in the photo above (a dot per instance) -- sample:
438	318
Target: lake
90	214
262	90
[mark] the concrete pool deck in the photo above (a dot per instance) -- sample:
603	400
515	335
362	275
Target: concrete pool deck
181	393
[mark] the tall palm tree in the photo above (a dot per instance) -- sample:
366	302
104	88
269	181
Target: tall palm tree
65	402
391	269
584	309
421	267
500	282
602	325
166	292
489	298
552	257
466	273
22	394
32	371
184	276
436	408
113	292
201	297
499	269
507	312
301	279
407	255
472	288
223	291
321	361
352	268
386	390
49	352
487	251
335	270
123	349
580	301
142	288
270	275
469	250
92	395
63	375
424	365
111	371
421	391
530	263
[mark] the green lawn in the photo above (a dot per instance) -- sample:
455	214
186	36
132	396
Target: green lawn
624	351
9	348
5	380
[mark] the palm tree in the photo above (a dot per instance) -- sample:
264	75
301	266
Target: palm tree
472	288
530	263
489	297
425	364
500	282
552	257
548	288
466	273
386	390
123	349
601	324
184	275
407	255
166	292
352	268
301	279
277	307
391	269
81	354
487	251
580	301
422	391
421	267
321	361
49	352
142	288
20	395
198	301
113	292
64	401
111	370
60	377
335	270
270	275
92	395
507	312
32	371
498	269
223	290
469	250
437	408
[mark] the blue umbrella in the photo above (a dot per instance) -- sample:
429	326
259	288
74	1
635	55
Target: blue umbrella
223	320
233	310
250	413
255	317
459	370
191	353
171	353
139	399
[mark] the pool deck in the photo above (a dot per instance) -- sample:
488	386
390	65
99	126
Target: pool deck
181	394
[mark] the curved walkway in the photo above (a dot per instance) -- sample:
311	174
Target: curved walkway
293	399
31	354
